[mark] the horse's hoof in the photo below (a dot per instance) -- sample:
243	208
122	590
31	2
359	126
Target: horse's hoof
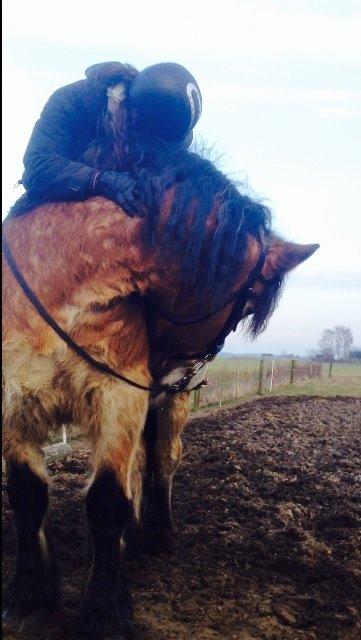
26	594
102	618
5	615
102	628
39	619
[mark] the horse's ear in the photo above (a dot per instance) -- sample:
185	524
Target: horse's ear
284	256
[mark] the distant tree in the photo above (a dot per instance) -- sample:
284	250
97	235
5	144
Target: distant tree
336	343
327	344
343	342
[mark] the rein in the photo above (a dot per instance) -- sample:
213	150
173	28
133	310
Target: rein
101	366
240	298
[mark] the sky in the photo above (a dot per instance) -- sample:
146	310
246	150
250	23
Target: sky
281	87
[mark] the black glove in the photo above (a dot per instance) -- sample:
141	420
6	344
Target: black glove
120	188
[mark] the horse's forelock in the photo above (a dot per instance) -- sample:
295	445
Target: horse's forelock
266	305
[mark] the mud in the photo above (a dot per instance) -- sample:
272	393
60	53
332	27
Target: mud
267	506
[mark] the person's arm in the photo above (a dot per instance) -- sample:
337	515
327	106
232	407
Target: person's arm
50	172
49	169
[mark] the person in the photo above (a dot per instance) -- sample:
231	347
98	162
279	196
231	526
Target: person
92	132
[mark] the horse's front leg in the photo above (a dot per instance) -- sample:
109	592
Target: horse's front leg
164	451
118	418
35	584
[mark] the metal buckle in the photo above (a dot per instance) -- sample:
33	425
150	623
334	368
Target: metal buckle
180	385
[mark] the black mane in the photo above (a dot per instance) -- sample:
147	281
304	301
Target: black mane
209	267
209	270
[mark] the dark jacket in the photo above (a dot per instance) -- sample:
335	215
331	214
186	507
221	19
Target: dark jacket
68	123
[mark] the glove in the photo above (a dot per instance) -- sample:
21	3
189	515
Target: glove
120	188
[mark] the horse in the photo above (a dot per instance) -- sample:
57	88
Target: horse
109	322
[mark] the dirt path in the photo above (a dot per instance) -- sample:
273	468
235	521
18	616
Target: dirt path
268	510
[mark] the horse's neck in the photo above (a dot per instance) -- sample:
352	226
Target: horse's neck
79	253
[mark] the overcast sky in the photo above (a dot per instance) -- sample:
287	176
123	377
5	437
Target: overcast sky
281	86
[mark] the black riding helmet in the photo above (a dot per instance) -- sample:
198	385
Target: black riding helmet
166	102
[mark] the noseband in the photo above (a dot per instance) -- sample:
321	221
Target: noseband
239	298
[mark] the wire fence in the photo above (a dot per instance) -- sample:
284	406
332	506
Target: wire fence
226	386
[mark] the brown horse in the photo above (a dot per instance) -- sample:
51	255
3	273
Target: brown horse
151	300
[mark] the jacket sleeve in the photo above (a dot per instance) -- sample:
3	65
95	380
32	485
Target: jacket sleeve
50	171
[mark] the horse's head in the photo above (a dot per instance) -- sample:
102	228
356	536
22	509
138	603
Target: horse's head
222	265
191	342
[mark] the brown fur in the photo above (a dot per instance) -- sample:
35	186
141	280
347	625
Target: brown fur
89	267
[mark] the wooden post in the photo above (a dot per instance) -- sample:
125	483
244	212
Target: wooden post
272	372
64	434
196	399
260	377
237	384
330	370
221	385
292	377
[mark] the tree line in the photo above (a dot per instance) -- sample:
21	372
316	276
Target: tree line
336	343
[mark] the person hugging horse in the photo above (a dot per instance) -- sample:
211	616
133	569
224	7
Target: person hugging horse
110	316
92	134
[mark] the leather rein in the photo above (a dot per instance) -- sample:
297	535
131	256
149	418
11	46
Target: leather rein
239	298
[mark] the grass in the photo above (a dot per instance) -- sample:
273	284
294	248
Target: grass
343	369
345	379
339	385
240	363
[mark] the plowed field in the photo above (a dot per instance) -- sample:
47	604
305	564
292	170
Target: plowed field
267	506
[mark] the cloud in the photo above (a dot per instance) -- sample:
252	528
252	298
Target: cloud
264	29
338	280
323	103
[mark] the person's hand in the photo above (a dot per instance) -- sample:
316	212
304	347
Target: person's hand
120	188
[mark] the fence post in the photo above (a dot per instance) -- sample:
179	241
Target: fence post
272	372
292	377
221	387
237	384
260	377
196	399
330	370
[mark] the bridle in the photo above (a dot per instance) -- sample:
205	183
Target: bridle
239	298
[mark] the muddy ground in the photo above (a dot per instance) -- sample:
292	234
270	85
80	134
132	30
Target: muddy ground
267	505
